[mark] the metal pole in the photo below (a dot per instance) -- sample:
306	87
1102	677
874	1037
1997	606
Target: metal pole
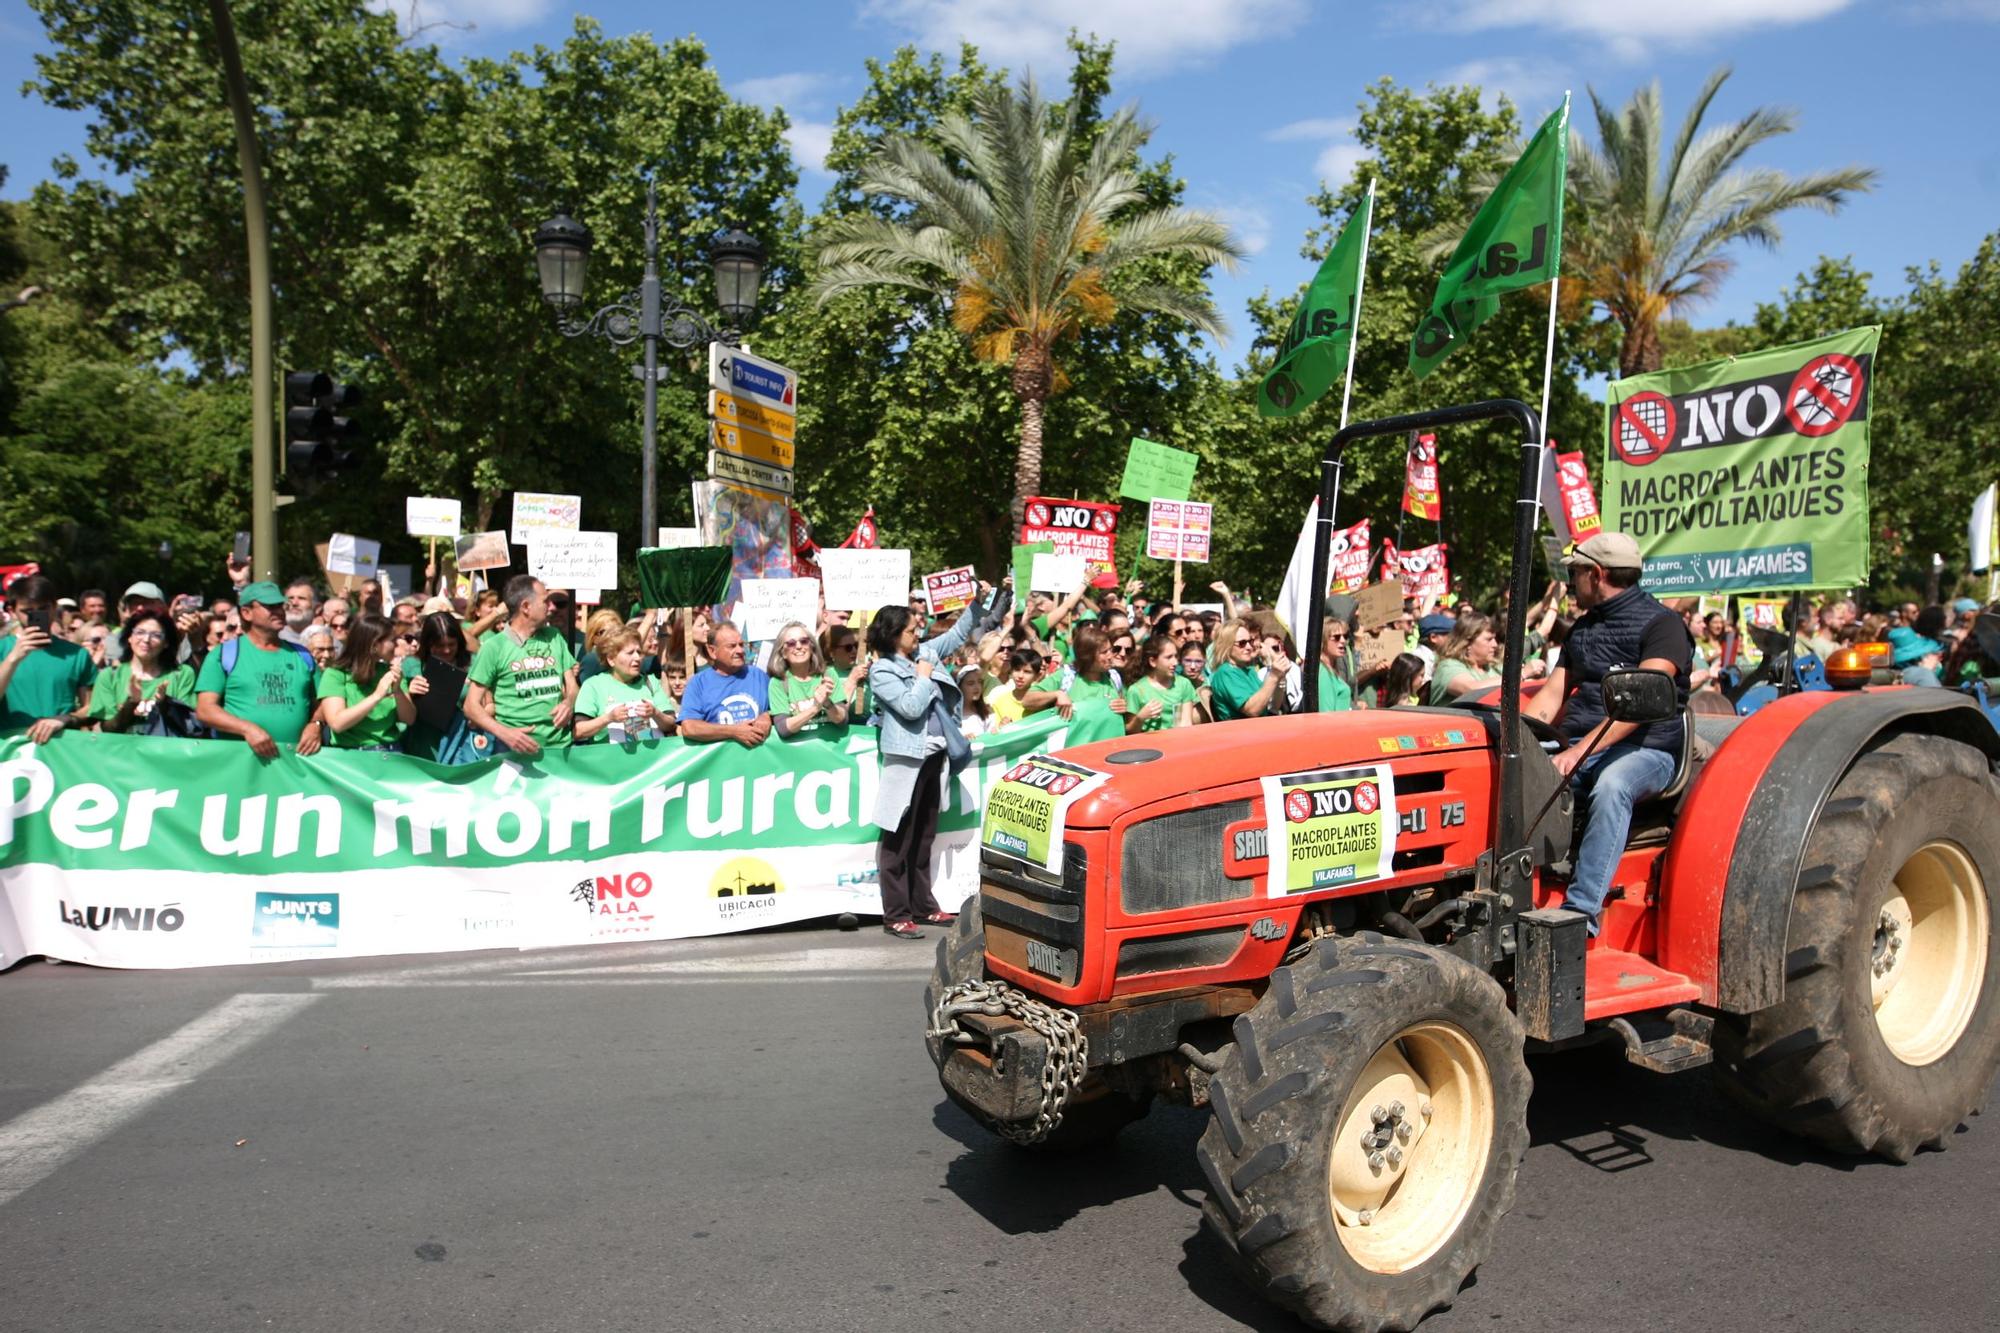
263	504
649	333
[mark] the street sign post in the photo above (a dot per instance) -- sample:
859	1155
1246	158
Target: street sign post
749	472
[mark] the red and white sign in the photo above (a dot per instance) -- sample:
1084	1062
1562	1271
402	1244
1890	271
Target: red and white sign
951	589
1645	427
1350	557
1179	530
1077	527
1420	479
1579	502
1425	572
864	537
1824	394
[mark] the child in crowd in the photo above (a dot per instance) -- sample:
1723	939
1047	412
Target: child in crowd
1163	697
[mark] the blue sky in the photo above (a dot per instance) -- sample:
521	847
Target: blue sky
1256	98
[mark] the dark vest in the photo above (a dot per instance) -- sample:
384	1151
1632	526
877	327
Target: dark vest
1607	637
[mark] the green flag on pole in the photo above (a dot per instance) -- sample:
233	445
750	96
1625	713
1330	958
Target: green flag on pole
1317	346
1514	242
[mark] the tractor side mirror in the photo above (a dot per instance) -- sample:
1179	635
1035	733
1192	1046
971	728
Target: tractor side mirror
1633	694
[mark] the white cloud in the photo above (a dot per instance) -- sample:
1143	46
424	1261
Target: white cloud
435	18
1251	225
794	92
1337	161
1338	155
1632	31
1153	36
1527	83
811	141
1312	129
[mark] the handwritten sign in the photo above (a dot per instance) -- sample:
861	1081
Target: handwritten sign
951	589
535	512
1157	472
768	605
1179	530
858	580
1059	574
348	554
672	539
1378	604
426	517
574	559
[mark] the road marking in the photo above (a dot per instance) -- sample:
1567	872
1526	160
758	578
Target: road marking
893	957
36	1142
906	977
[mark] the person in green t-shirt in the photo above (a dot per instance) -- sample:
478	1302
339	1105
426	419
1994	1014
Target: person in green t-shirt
257	687
619	704
45	679
1088	677
523	682
363	698
804	690
1159	700
125	695
1244	675
1335	694
842	645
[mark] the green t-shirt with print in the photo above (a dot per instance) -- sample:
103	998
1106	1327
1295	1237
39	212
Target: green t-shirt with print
381	725
1081	690
1172	695
1230	687
271	687
45	682
604	692
788	692
526	678
114	688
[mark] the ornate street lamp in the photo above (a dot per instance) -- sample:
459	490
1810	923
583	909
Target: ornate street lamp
562	253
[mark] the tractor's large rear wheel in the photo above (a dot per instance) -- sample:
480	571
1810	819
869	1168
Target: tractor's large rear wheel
1889	1032
1368	1124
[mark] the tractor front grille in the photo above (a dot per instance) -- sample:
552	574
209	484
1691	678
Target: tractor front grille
1034	919
1179	953
1176	860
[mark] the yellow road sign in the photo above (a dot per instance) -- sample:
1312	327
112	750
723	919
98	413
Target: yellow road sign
752	444
737	411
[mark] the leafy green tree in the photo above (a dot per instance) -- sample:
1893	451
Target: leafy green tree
1028	239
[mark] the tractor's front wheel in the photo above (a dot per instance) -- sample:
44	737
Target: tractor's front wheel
1368	1124
1889	1031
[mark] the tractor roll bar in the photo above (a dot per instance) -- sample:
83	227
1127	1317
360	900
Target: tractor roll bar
1511	832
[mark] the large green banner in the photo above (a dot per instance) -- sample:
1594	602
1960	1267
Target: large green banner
147	852
1748	474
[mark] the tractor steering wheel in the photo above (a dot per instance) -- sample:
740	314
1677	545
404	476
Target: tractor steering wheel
1542	731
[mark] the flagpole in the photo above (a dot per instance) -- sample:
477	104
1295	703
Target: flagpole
1354	339
1555	286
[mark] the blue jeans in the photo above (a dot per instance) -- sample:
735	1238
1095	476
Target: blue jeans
1612	781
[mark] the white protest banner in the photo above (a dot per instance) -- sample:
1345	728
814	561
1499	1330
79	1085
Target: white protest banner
588	596
1179	530
348	554
951	589
535	512
859	580
675	538
426	517
768	605
574	559
1059	574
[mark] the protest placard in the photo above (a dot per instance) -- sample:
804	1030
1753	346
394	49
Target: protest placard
1377	648
1378	604
675	538
1179	530
951	589
482	550
1157	472
574	559
768	605
1024	566
348	554
535	512
402	580
1081	527
1059	574
426	517
864	580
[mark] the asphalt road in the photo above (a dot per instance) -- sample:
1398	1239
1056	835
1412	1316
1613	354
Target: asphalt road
746	1133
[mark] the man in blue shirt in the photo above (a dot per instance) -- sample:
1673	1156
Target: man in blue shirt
728	700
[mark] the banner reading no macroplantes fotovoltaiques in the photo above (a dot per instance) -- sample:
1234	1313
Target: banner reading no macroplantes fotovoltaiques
1746	474
144	852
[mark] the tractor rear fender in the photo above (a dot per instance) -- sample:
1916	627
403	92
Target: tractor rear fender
1726	890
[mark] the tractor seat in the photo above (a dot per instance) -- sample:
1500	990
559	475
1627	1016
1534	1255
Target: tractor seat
1652	819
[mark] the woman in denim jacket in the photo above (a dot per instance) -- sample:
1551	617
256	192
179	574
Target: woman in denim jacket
921	741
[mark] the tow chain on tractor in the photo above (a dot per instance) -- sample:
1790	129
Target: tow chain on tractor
1062	1068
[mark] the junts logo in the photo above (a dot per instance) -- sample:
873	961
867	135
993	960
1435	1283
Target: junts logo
167	918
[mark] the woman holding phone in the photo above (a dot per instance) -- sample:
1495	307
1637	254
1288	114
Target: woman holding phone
362	699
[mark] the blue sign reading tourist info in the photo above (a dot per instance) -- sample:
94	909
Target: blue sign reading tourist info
766	383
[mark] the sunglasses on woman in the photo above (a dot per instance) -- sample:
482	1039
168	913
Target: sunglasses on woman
800	643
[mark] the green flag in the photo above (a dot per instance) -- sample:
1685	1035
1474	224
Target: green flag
1515	242
1320	343
683	575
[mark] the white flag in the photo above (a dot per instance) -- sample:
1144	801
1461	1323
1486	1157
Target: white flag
1980	531
1295	597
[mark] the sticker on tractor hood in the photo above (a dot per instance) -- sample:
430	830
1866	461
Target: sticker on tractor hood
1024	815
1329	829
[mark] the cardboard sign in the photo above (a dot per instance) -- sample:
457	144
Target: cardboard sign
1157	472
574	559
482	550
674	538
1179	530
1060	574
1374	649
768	605
1378	604
951	589
348	554
425	517
342	585
534	512
857	580
1077	527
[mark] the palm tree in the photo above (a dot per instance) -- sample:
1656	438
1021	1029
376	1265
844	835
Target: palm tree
1026	242
1651	231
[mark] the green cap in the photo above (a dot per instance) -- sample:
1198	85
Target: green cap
264	592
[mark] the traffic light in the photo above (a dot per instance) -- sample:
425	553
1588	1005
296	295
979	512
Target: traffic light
319	435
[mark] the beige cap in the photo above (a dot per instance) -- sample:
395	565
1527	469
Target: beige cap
1607	550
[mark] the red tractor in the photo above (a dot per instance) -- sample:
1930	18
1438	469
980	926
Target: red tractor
1338	932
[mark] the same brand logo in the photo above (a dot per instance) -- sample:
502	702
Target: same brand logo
295	921
168	918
